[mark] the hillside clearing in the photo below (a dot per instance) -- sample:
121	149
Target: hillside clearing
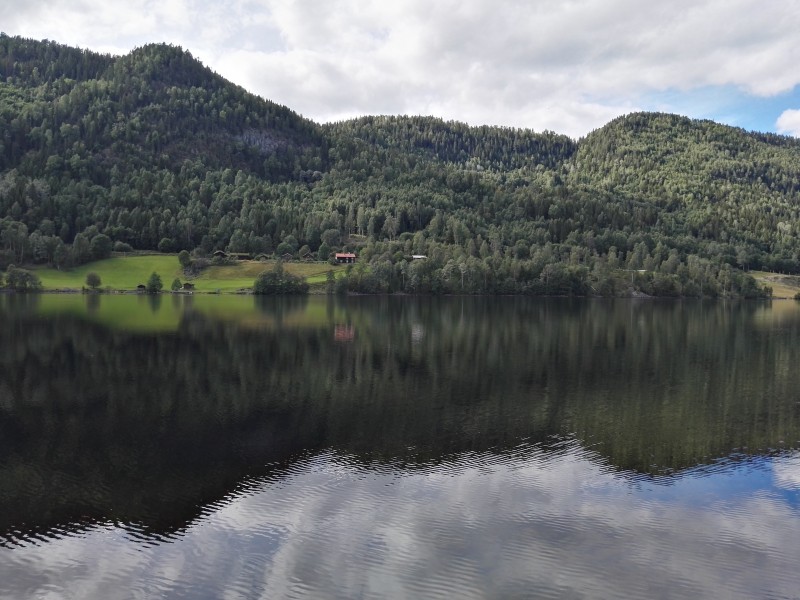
783	286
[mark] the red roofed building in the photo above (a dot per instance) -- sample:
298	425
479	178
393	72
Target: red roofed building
345	257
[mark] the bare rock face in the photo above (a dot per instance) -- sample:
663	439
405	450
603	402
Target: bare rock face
266	141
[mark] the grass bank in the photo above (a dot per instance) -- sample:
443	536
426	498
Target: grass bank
125	273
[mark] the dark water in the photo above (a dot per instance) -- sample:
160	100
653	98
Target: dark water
217	447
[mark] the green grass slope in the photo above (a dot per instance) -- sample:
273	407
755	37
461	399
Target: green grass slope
119	273
125	273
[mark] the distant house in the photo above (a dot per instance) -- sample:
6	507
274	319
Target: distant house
141	288
308	256
220	253
188	287
345	257
287	256
418	257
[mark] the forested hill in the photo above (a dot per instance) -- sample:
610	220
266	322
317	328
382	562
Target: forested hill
153	150
715	182
155	107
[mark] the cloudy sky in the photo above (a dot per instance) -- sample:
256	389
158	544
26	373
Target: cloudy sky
567	65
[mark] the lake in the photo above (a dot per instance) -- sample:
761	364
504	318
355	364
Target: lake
241	447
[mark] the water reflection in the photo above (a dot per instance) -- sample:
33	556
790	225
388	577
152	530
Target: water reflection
398	446
92	303
526	523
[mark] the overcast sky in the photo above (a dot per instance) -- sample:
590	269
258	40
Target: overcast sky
565	65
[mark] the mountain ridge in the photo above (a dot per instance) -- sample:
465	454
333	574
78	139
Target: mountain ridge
154	150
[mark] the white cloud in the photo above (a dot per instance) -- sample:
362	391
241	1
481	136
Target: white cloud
787	470
540	64
789	122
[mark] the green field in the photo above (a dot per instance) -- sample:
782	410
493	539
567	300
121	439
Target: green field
125	273
243	274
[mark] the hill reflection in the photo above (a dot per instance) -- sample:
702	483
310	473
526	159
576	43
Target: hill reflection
150	428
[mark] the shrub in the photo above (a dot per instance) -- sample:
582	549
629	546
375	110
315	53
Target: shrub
184	258
122	247
278	281
21	280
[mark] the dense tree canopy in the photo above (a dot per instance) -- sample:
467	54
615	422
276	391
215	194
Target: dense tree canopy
154	151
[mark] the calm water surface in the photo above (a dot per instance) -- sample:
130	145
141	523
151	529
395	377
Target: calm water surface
232	447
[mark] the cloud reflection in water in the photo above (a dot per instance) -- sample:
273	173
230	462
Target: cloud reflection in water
524	523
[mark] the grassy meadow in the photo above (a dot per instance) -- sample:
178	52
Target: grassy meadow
125	273
783	286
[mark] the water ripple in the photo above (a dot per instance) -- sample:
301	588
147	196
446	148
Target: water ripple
491	524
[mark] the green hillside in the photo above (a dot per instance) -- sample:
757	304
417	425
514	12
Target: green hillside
154	151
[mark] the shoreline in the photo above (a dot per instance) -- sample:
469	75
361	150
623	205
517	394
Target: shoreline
631	296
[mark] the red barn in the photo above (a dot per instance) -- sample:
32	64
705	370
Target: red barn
345	257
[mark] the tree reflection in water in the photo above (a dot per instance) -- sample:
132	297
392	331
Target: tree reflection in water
98	423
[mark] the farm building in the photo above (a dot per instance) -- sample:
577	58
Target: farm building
345	257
